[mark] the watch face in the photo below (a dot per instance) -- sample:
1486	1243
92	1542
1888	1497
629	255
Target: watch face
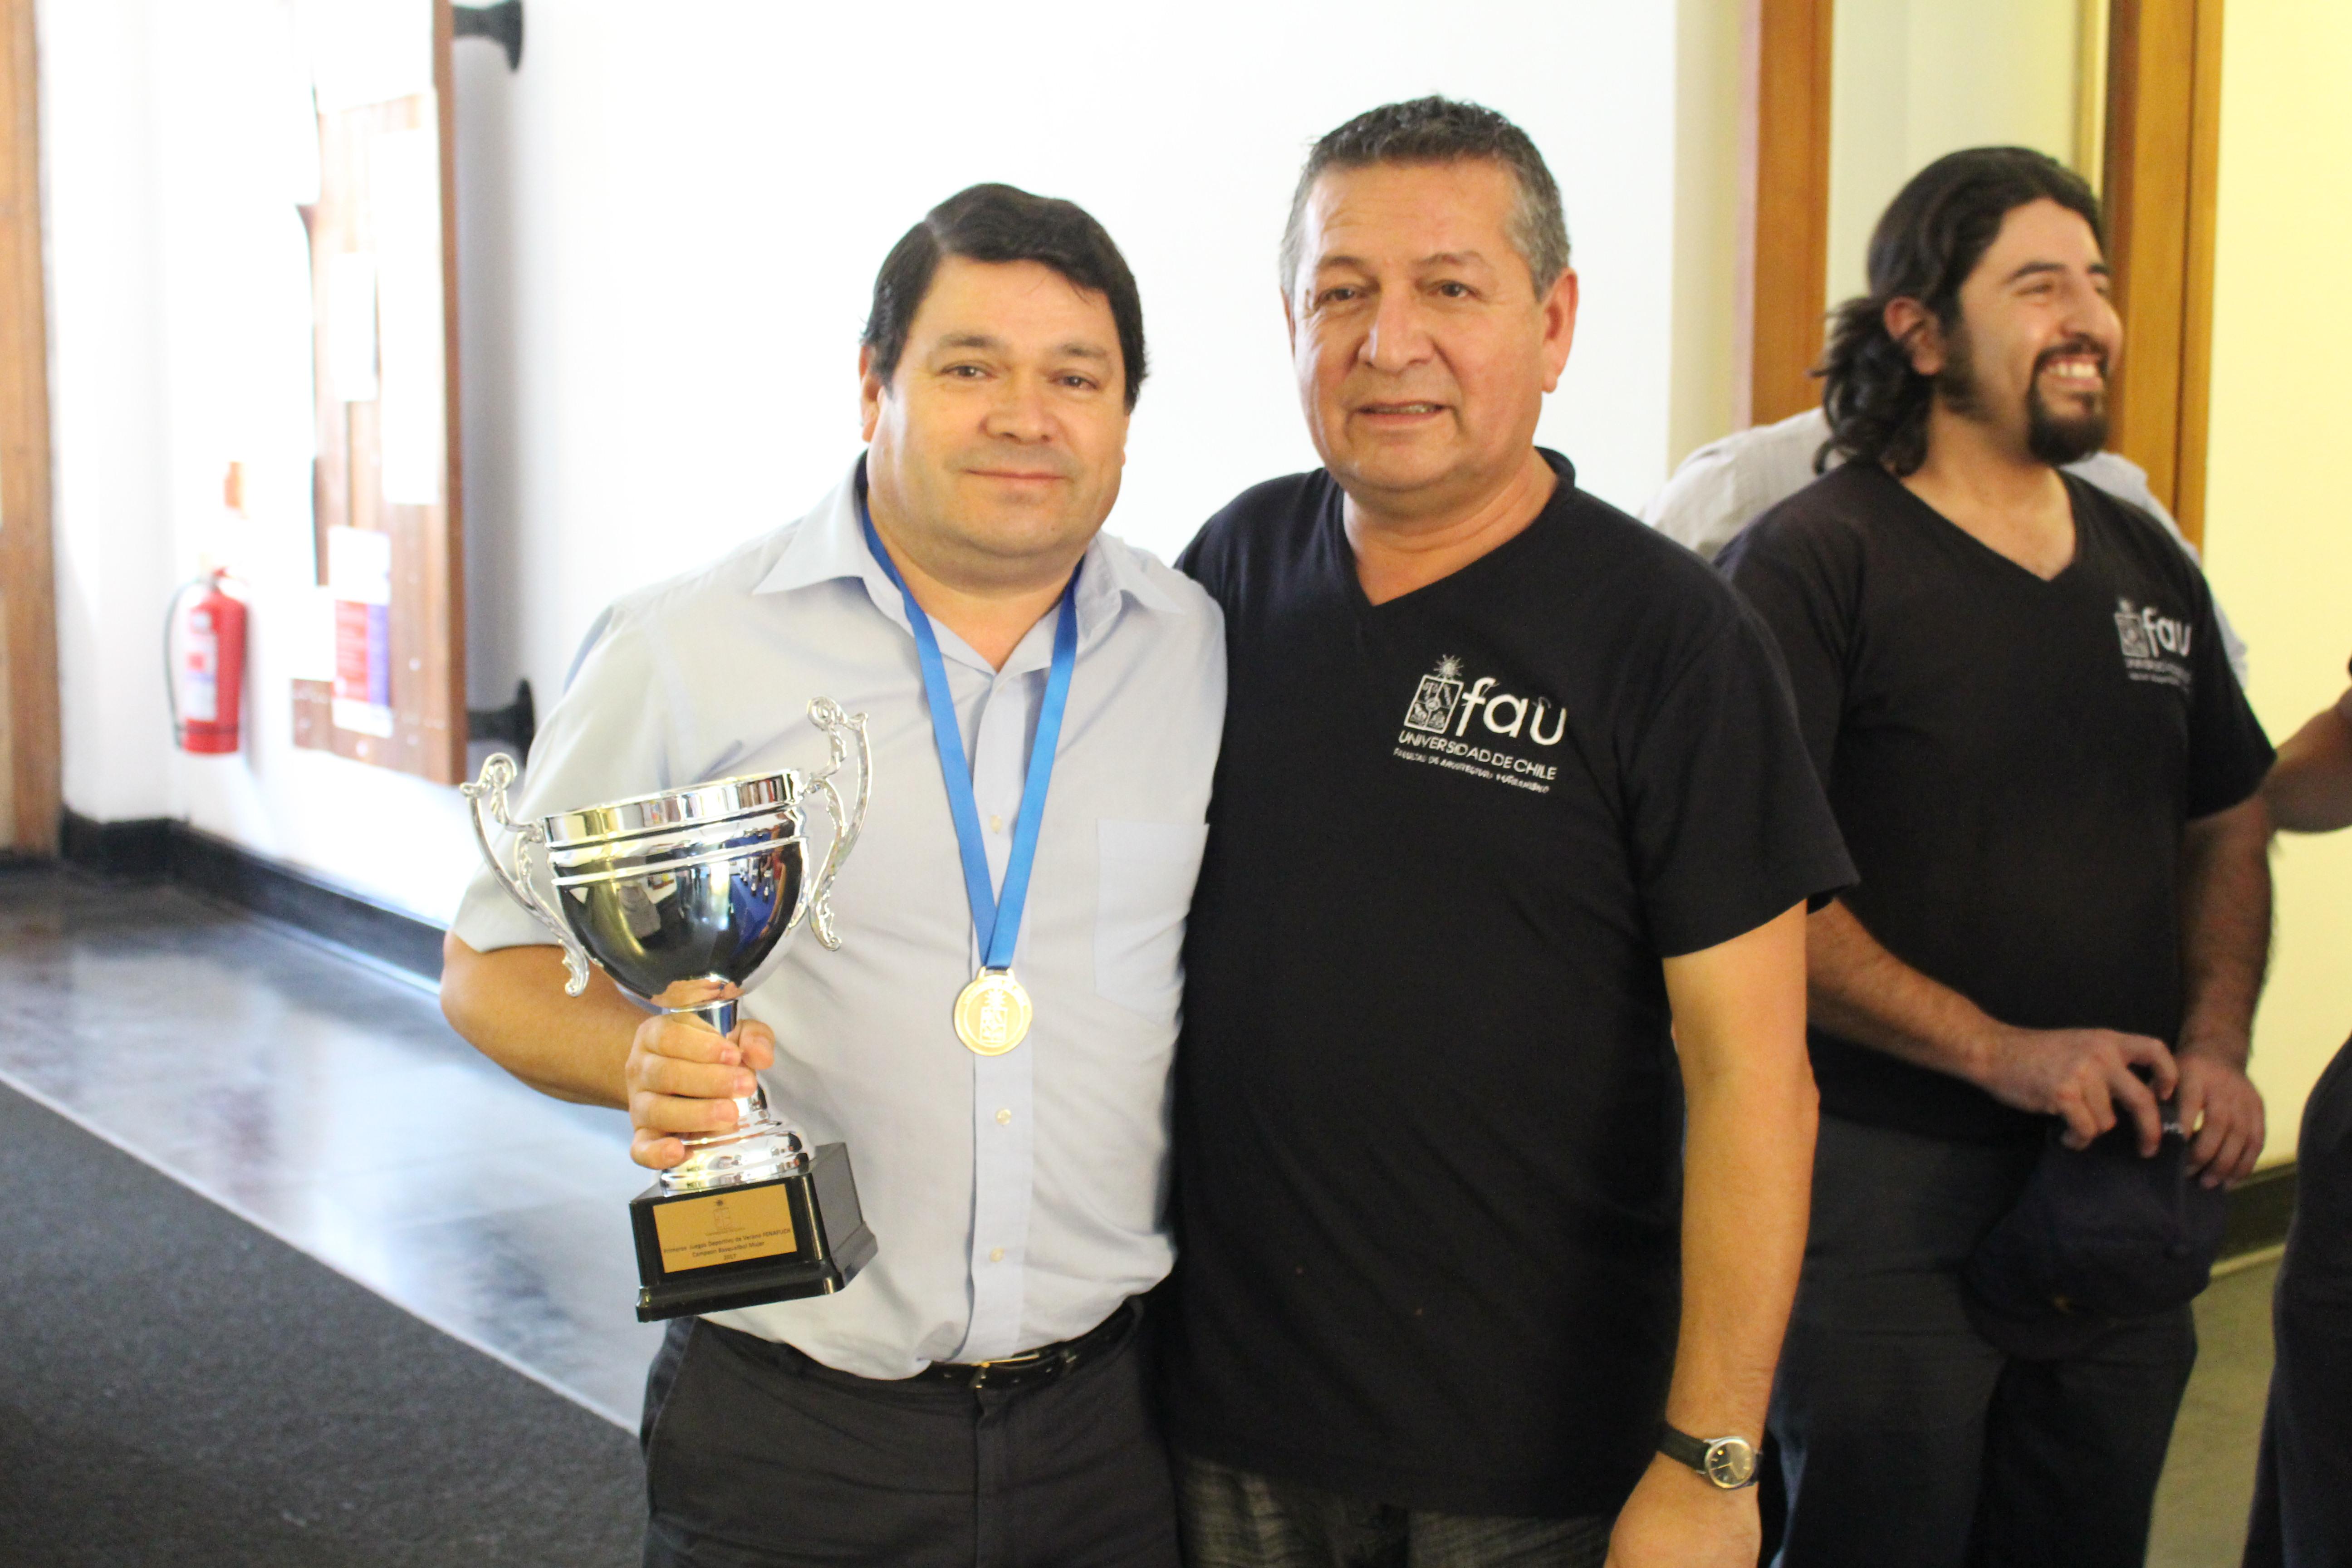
1731	1462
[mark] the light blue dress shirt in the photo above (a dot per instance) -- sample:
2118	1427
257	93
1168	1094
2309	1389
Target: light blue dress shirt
1018	1199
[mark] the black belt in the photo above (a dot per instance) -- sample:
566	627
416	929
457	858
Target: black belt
1042	1364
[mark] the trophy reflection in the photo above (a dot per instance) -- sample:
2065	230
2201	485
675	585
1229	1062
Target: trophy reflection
678	896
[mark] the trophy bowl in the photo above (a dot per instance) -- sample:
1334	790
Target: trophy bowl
680	895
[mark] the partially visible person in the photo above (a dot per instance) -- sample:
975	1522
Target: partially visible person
2302	1482
1725	485
2045	771
2310	788
1510	847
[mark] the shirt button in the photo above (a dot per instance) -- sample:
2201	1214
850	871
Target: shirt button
1004	1117
996	824
996	1255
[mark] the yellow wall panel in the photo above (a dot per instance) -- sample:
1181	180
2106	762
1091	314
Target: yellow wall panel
2279	509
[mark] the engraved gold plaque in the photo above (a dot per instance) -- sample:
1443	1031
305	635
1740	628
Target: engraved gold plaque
725	1228
992	1014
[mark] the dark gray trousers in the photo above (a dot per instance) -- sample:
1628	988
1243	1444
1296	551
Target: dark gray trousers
1238	1519
2301	1515
757	1457
1905	1436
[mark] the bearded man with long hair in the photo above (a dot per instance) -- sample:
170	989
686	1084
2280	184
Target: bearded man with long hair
2013	688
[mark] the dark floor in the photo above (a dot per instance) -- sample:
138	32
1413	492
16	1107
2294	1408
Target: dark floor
328	1102
177	1387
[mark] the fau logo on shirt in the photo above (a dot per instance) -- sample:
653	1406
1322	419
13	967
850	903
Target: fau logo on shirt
1441	696
2156	647
1438	718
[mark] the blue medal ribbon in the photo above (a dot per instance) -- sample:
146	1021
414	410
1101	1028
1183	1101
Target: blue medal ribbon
996	920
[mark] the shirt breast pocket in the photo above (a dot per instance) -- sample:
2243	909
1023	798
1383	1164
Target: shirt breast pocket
1144	890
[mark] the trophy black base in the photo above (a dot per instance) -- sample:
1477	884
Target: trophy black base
755	1242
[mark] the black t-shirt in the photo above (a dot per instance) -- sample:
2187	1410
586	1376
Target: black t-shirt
2012	760
1428	1115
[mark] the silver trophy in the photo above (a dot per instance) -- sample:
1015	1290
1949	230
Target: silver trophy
680	896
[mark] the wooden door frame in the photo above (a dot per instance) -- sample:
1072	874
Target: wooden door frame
2162	141
1784	208
2163	151
28	616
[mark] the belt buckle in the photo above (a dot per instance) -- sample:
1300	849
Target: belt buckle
981	1369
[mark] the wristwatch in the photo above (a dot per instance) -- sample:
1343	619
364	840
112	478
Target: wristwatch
1726	1462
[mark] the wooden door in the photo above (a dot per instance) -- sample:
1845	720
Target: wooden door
29	795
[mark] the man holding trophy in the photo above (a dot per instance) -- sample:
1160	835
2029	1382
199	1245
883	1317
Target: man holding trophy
992	1041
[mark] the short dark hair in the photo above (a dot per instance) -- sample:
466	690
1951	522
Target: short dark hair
1442	131
1001	223
1930	240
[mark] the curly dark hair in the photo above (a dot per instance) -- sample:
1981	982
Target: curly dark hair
1003	223
1930	239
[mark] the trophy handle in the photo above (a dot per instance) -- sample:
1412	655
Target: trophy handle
841	729
487	798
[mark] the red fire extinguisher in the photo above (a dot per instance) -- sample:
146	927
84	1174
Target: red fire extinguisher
203	665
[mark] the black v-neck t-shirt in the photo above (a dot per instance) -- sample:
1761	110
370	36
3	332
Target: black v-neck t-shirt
2013	761
1429	1118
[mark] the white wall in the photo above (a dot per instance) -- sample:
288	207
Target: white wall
179	343
668	234
111	421
698	263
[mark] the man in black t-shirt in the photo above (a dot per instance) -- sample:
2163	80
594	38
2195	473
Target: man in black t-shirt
1511	807
2013	686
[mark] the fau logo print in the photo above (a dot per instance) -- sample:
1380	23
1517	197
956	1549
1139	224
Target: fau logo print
1438	718
1432	705
2156	647
1442	695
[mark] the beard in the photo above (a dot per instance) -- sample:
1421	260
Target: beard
2053	437
2058	438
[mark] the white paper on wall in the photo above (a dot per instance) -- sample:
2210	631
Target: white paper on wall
405	188
359	565
366	51
359	582
361	717
351	325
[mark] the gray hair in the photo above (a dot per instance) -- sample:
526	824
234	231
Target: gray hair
1443	131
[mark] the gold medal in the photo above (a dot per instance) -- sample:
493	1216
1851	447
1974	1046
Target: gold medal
992	1014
